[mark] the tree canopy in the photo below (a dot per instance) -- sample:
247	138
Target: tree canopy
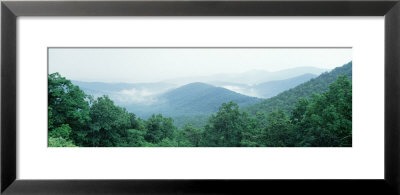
320	120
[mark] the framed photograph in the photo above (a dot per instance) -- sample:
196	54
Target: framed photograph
193	97
199	97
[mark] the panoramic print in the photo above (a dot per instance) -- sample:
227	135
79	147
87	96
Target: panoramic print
199	97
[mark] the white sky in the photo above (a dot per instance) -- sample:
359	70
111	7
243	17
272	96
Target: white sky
157	64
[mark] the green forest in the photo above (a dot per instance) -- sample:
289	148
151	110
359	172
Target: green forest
314	114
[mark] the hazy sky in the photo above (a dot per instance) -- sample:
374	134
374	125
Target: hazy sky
157	64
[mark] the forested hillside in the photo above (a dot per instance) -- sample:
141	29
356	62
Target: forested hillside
194	102
203	98
287	99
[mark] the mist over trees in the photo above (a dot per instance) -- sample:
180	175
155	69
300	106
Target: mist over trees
322	119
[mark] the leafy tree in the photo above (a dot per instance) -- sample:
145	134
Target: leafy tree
299	110
135	138
328	118
225	127
255	134
279	130
189	136
159	128
67	105
297	117
135	123
109	123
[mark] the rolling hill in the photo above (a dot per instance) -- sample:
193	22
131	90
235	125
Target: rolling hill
287	99
191	103
203	98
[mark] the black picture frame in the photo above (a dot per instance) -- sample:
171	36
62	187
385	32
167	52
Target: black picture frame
10	10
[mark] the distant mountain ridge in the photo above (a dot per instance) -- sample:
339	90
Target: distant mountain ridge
288	99
252	77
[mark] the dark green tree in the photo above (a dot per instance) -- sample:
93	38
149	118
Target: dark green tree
299	110
189	136
159	128
279	130
135	138
255	134
110	123
225	127
328	119
67	105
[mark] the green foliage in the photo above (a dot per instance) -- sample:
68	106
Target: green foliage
328	118
254	134
324	120
159	128
196	120
50	120
225	127
189	136
60	142
135	138
135	123
67	105
167	142
299	110
279	130
109	123
63	131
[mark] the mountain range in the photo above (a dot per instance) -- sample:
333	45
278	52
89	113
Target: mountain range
193	102
251	77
